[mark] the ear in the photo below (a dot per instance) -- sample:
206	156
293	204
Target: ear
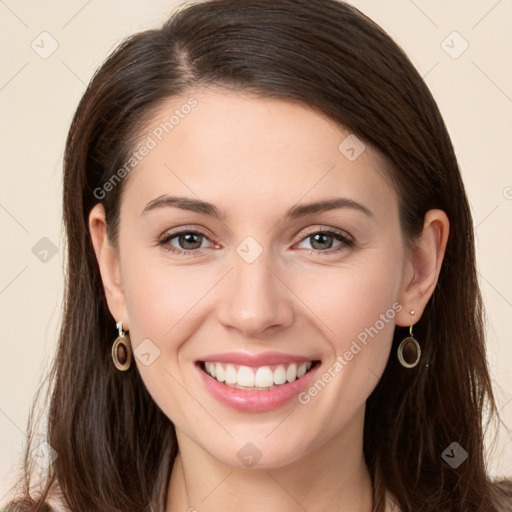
108	262
423	267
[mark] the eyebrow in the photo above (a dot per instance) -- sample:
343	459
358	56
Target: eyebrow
298	211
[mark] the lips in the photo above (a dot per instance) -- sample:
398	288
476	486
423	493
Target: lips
255	360
246	399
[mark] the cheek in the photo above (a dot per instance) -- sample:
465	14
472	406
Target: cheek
160	298
357	307
163	303
351	300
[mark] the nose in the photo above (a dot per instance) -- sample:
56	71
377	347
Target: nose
256	298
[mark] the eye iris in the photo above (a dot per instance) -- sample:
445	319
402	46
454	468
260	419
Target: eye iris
318	238
186	239
191	241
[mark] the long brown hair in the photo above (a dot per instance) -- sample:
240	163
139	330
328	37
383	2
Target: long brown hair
115	447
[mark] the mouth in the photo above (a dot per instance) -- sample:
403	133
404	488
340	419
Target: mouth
257	378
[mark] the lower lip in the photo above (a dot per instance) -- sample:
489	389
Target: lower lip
257	401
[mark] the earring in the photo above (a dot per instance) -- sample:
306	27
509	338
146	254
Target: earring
122	350
409	351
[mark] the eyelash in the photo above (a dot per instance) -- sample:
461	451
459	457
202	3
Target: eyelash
341	236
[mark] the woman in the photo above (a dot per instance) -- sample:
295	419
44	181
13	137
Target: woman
250	371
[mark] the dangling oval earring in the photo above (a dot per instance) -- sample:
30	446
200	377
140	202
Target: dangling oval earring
122	350
409	351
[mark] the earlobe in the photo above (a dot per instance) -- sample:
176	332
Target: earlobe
426	259
108	262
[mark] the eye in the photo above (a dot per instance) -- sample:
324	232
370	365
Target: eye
189	242
322	241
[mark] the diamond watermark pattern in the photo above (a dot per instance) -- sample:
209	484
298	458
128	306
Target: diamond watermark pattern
455	455
44	250
147	352
351	147
249	249
454	45
44	45
44	455
249	454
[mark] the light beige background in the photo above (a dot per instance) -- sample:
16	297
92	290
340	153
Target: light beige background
38	97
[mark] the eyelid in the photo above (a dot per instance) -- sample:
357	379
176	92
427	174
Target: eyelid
173	233
185	229
337	231
346	237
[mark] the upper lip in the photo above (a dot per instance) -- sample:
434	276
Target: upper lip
262	359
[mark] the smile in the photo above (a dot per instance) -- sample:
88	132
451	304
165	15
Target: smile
256	388
255	379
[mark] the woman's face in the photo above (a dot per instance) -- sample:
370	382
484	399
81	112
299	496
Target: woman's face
250	274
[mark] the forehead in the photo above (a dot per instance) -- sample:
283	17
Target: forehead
252	151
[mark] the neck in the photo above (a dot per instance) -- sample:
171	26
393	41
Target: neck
332	476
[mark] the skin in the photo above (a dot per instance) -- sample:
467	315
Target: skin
254	159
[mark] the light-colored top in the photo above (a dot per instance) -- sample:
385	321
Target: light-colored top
58	504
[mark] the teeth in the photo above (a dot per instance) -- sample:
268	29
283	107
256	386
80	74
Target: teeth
231	374
245	377
210	368
264	377
291	373
219	373
279	375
